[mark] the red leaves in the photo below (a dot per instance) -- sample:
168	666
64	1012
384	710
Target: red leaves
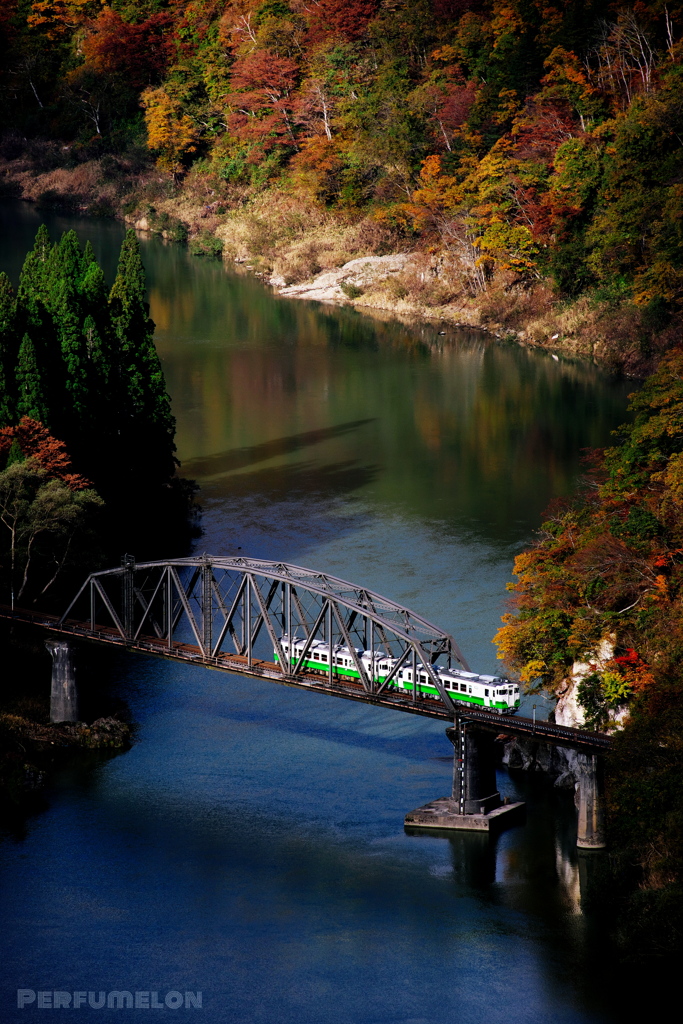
347	18
36	442
264	75
262	109
137	53
628	660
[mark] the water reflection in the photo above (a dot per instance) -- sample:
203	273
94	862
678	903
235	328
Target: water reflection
251	843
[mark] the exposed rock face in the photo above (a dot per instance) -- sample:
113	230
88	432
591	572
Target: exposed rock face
568	711
360	273
534	756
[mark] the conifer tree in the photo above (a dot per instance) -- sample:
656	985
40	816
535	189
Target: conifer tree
67	319
88	260
7	349
31	392
35	269
148	424
14	454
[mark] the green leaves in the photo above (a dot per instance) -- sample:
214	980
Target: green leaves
87	365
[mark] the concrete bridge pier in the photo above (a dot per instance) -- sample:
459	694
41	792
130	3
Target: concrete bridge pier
589	798
63	695
475	804
475	790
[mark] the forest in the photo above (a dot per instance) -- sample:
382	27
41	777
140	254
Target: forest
528	151
86	430
528	155
600	595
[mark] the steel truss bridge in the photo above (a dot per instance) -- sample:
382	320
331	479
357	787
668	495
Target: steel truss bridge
230	614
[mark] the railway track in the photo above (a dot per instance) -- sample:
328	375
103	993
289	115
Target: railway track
507	725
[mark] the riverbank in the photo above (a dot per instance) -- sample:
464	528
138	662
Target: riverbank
365	260
31	750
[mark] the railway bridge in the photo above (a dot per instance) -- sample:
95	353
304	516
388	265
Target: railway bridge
230	614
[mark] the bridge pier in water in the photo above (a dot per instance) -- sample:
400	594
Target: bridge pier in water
475	804
590	803
63	694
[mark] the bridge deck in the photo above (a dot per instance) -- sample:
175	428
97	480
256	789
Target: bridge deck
427	707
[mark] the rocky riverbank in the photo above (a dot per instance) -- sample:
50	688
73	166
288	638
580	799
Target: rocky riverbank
30	751
305	250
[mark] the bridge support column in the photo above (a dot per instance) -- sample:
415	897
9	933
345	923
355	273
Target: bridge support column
475	804
475	790
590	802
63	695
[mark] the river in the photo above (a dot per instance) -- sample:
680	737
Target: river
250	846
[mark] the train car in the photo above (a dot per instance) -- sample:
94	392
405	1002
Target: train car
491	693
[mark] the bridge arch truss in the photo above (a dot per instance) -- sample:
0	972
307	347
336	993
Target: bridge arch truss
223	612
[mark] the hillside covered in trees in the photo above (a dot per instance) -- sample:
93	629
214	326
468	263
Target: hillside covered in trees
603	587
86	431
528	151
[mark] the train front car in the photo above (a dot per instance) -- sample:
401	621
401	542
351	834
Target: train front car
490	693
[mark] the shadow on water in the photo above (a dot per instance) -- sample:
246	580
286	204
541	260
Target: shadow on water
240	458
251	842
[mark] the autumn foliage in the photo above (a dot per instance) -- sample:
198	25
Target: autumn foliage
607	571
525	141
36	442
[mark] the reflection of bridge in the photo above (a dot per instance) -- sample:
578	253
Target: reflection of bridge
230	614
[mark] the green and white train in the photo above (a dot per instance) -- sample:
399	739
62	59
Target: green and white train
493	693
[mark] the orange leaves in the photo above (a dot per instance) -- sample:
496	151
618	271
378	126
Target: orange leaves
262	108
633	670
57	17
36	442
437	190
346	18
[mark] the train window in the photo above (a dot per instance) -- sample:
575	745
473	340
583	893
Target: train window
463	688
423	679
486	693
323	657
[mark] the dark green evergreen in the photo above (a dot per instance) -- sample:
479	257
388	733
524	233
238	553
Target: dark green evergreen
31	389
87	367
15	454
147	422
35	269
8	349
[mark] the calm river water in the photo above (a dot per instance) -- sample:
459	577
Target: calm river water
250	845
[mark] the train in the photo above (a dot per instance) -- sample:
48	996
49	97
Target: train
491	693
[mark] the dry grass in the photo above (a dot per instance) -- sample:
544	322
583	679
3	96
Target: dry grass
286	235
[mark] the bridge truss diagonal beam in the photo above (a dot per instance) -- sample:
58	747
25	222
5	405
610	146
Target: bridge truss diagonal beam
210	609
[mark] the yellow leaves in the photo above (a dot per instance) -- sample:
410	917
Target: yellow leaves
509	246
508	105
616	688
437	190
170	132
505	22
532	670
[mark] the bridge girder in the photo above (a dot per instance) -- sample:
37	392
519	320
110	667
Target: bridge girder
227	602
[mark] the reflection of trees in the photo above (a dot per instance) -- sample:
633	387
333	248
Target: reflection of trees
465	429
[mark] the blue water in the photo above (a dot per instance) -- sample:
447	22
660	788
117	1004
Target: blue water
250	846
